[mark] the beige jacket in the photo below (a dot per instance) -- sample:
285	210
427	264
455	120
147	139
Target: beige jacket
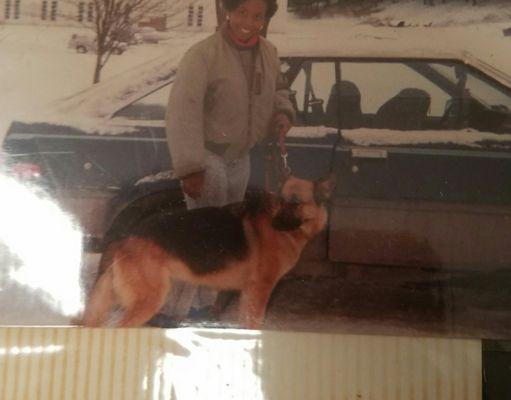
210	102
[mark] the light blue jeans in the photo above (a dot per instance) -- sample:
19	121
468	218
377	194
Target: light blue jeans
225	182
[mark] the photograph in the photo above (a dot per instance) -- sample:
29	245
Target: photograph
331	166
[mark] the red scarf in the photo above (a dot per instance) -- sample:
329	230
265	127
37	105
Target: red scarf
244	45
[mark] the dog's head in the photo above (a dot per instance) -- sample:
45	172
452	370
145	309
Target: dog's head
302	204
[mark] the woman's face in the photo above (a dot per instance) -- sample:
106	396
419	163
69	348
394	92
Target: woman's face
247	20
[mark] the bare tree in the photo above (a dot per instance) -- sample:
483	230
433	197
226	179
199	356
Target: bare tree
114	17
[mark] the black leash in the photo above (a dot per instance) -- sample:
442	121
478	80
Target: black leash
277	168
339	132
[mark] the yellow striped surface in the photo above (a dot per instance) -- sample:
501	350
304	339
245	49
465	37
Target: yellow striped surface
79	363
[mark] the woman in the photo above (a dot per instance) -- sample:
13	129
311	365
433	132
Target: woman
228	94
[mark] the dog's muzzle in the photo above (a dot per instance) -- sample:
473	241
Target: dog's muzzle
286	219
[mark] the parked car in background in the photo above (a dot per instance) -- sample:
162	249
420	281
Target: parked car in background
127	35
148	34
88	44
137	35
420	144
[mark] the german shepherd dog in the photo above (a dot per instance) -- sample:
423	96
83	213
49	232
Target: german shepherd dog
248	247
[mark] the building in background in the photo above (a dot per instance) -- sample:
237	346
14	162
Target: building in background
43	12
192	14
179	14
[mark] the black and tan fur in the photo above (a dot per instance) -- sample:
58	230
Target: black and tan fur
247	247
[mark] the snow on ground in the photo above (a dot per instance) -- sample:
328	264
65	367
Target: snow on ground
413	12
36	66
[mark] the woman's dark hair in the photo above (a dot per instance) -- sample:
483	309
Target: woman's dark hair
271	6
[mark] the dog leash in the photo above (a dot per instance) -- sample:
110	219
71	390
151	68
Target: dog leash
286	169
277	168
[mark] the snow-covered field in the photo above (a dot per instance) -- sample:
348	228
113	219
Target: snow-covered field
36	67
443	14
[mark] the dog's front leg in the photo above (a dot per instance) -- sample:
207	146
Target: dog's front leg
254	299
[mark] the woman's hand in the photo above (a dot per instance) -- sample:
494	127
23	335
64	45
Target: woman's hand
281	124
192	184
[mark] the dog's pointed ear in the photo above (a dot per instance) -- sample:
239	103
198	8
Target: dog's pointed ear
324	187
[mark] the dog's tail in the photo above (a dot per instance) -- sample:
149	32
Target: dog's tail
102	297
